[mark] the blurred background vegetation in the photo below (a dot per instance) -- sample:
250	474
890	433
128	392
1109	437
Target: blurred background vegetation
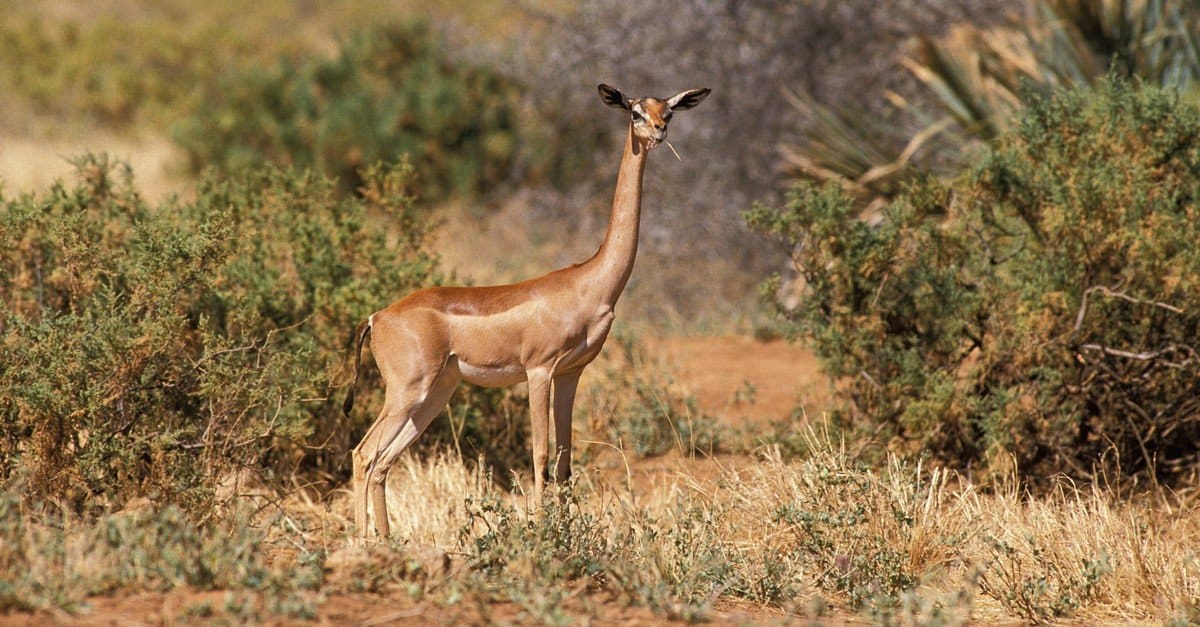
996	269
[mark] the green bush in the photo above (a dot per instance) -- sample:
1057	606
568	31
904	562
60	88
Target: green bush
390	92
1037	589
66	70
654	421
150	350
118	66
1036	308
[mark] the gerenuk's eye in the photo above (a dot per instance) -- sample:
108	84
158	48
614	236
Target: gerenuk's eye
638	117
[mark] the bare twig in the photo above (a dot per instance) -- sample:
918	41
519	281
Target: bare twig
864	374
1083	305
673	150
1147	355
624	460
1123	296
1151	466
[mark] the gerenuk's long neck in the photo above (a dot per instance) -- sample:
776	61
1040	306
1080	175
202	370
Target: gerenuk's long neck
613	263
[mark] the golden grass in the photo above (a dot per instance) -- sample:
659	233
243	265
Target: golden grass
974	555
901	543
426	498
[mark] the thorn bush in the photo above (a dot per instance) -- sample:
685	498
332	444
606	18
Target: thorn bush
151	350
391	91
1037	308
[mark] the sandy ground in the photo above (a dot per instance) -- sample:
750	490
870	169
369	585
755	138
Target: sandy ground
32	164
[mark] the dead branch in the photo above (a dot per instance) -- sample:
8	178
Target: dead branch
1083	305
1148	355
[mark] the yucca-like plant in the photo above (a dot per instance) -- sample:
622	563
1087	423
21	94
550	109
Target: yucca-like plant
977	80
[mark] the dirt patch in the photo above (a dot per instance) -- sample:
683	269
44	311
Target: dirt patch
742	380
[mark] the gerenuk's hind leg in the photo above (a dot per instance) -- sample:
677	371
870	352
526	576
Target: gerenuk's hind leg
413	417
388	422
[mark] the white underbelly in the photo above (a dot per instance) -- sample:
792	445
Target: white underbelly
491	376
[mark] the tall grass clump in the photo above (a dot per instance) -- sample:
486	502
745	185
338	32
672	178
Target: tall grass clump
896	543
57	560
1035	309
832	532
672	561
390	91
917	543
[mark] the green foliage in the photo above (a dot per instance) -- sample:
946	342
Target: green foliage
1036	589
67	70
693	565
1036	307
390	91
530	562
151	350
839	531
123	65
488	423
162	550
655	421
678	570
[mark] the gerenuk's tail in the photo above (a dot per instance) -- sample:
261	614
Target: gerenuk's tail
361	333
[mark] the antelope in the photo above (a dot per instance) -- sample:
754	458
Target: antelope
543	330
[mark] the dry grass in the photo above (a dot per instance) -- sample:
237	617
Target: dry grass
914	544
427	498
900	543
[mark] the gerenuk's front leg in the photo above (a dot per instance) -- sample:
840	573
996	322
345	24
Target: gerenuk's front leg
564	403
539	415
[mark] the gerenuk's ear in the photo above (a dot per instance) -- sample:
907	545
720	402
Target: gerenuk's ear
687	99
612	96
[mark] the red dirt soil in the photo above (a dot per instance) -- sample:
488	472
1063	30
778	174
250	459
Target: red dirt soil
744	380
